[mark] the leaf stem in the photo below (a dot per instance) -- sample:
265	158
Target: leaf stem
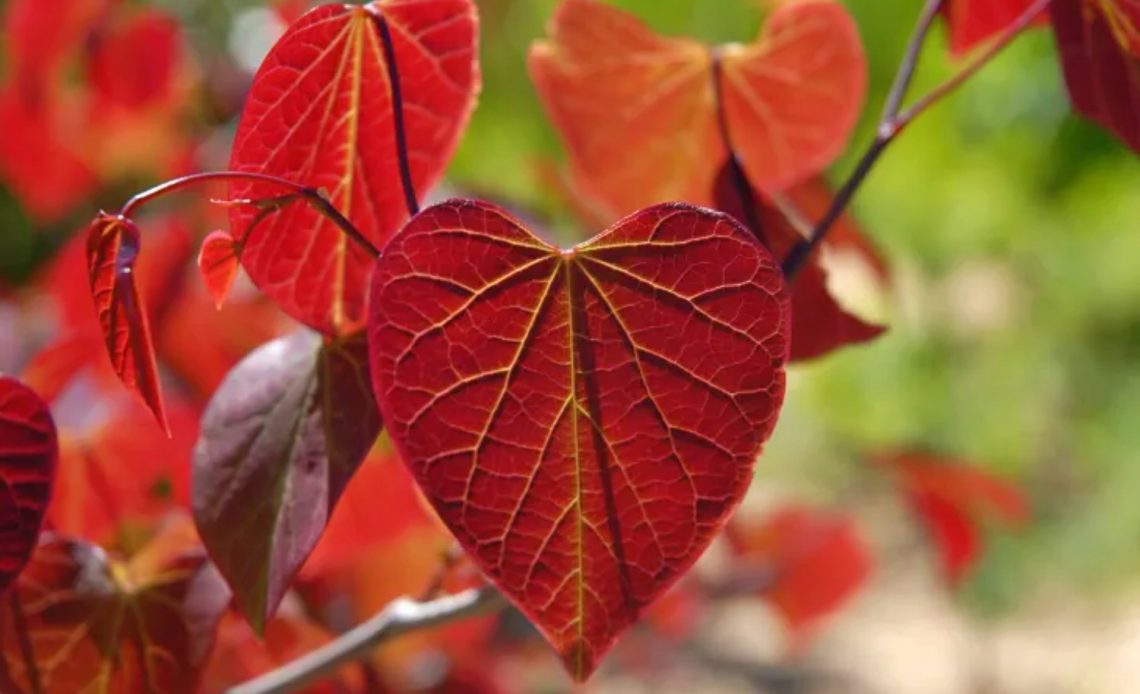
400	617
311	195
736	169
895	119
410	198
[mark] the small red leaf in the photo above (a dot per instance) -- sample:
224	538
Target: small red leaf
584	420
28	456
972	22
817	561
612	87
819	324
274	457
1099	43
218	263
94	624
112	249
320	113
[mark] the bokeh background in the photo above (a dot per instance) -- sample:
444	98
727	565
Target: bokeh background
1013	232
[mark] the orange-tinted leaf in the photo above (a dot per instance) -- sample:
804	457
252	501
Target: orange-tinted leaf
97	498
218	263
972	22
819	324
28	457
112	248
817	561
280	440
1099	42
53	367
952	499
614	87
320	113
95	624
585	420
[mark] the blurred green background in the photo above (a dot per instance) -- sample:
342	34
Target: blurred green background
1014	232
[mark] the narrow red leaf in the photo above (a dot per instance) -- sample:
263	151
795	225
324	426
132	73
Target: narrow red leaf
612	86
274	457
95	624
112	249
584	420
28	456
951	529
1099	43
817	561
819	324
320	113
972	22
218	263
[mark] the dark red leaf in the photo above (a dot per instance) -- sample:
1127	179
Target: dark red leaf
112	248
280	440
320	113
584	420
218	263
1099	43
28	456
612	86
95	624
819	324
817	561
972	22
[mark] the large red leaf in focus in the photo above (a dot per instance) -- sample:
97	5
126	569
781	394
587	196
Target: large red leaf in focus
280	440
28	456
91	623
320	113
972	22
112	249
613	87
584	420
953	499
1099	43
817	561
819	324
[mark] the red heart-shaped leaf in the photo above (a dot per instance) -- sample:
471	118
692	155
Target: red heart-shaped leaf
112	249
612	86
320	113
1099	43
218	263
280	440
583	420
28	455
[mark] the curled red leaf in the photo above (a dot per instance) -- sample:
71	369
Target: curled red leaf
28	455
320	113
584	420
281	438
112	249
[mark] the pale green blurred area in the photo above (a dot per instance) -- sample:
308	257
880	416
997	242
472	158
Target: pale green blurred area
1014	232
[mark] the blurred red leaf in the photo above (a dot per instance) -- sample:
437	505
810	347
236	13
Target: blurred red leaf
29	453
94	624
274	457
952	499
112	248
819	324
320	114
133	63
218	263
972	22
1099	43
613	87
816	561
54	367
122	474
42	34
583	420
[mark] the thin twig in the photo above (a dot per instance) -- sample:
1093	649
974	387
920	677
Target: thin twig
895	120
405	164
311	195
736	168
400	617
